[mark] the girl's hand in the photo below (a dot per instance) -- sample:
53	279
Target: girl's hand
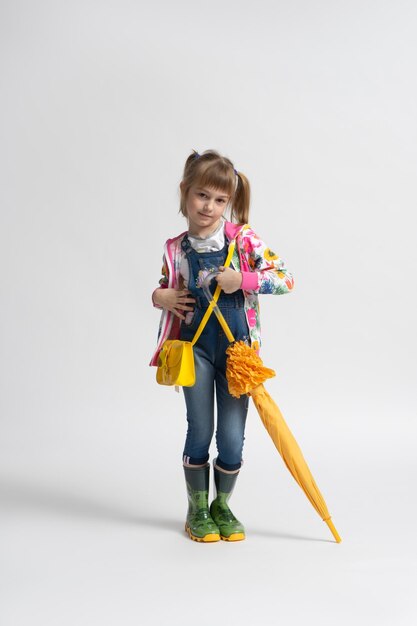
174	300
229	280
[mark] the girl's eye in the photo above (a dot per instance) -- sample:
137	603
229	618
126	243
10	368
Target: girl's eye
203	195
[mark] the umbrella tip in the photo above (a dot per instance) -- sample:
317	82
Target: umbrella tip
333	530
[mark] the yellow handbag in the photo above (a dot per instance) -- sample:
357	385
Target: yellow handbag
176	363
176	358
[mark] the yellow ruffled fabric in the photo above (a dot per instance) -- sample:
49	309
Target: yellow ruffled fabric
245	369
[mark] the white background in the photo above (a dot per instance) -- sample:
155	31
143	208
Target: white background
101	103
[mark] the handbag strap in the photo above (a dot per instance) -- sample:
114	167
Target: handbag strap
216	295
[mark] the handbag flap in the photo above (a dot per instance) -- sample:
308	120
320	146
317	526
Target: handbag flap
174	352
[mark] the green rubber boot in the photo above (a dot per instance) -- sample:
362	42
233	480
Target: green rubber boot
199	524
230	527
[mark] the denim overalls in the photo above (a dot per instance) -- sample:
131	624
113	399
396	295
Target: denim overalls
210	364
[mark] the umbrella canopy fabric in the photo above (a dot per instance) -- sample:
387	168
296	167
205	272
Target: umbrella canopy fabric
290	451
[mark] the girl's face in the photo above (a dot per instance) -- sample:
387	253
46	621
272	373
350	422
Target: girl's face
205	207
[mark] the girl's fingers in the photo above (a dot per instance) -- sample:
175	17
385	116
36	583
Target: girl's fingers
183	303
178	314
185	299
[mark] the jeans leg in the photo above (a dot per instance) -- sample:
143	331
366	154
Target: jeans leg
200	410
231	421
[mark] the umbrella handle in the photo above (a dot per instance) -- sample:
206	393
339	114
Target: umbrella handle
205	286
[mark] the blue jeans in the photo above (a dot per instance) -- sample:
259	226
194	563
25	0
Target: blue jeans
210	364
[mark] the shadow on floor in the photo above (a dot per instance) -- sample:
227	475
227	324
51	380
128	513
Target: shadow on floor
16	495
270	534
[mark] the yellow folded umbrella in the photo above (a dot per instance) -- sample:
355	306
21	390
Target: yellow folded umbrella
245	374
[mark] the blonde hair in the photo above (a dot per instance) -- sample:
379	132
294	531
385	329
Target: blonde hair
210	169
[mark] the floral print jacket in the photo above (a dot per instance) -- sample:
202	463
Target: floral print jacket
263	272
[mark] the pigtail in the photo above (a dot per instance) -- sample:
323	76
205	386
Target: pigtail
241	200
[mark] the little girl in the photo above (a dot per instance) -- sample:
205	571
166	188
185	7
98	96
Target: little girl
210	187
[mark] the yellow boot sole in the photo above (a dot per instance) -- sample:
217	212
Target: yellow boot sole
206	539
234	537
